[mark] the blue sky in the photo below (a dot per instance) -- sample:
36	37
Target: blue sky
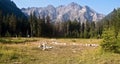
101	6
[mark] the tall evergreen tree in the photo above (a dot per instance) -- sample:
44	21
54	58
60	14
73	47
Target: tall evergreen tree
31	21
87	30
92	30
99	28
82	30
12	25
0	22
39	22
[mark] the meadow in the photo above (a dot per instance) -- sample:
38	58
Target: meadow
74	51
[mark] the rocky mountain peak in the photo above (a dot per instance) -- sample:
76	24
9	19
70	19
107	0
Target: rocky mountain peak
63	13
50	6
73	4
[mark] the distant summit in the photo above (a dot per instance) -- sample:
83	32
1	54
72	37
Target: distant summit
72	11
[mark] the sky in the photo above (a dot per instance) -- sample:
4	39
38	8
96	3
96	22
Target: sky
100	6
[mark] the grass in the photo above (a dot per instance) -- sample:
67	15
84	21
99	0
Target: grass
77	40
29	53
16	40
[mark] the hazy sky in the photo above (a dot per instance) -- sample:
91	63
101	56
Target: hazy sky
101	6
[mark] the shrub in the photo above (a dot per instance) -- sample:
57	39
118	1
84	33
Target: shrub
110	43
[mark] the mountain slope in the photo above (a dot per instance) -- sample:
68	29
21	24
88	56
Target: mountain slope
112	17
9	7
71	11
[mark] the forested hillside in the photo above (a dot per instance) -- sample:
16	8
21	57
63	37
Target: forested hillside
8	7
12	20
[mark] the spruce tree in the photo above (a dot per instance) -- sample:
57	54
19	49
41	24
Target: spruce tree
0	22
12	24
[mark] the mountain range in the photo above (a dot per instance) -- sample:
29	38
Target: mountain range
72	11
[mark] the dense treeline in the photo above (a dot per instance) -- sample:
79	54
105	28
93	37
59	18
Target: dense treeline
13	26
71	29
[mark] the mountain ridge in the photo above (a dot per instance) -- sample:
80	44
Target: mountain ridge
71	12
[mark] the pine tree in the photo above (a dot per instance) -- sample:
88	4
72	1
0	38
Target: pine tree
12	24
87	30
99	29
39	21
92	30
31	25
5	25
0	22
82	30
49	28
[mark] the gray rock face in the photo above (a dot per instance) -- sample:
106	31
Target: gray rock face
61	13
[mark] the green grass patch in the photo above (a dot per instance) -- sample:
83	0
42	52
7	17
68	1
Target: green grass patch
16	40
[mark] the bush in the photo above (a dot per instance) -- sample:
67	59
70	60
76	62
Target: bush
110	43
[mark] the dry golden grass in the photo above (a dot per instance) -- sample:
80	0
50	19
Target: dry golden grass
29	53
